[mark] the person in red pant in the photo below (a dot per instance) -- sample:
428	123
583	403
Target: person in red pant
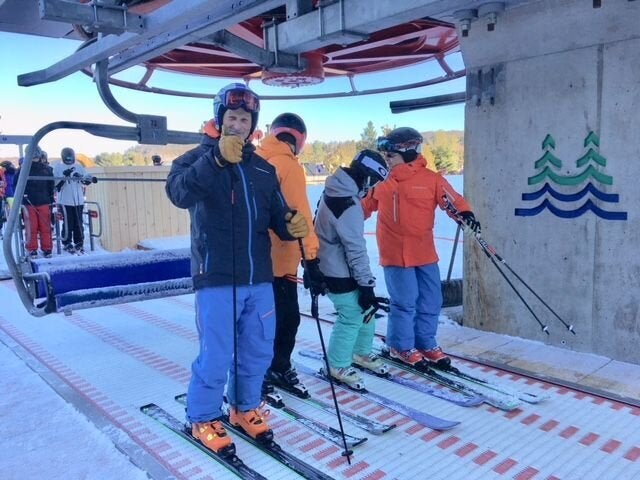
38	197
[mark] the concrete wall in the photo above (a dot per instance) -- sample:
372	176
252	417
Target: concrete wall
565	69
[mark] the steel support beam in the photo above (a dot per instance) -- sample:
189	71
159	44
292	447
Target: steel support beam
98	17
402	106
282	63
217	18
349	21
171	25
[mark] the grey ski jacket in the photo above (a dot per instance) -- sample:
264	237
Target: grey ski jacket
339	225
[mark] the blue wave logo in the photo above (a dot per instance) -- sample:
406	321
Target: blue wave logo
548	167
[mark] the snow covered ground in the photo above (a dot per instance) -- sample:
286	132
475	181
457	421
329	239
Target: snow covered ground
72	385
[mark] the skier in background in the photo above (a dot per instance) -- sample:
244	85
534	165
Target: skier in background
406	204
70	197
38	197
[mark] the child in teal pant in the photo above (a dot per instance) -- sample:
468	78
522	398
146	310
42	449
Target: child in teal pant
339	225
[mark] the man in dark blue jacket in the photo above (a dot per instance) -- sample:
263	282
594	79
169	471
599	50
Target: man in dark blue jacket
233	199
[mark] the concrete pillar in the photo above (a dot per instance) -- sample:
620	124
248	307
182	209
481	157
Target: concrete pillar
556	85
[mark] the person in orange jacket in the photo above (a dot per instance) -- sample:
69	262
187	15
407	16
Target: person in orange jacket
280	148
406	204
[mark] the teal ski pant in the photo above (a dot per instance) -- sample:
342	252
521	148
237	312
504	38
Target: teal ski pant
256	326
349	335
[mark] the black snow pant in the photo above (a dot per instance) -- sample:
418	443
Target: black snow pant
73	232
285	293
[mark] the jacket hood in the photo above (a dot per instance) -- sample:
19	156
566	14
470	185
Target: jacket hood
340	184
407	170
271	147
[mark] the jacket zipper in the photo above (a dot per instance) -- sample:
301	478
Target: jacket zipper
205	260
395	207
250	223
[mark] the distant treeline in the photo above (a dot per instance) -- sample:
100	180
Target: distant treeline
443	150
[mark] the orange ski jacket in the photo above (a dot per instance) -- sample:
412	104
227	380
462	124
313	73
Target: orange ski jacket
406	204
286	255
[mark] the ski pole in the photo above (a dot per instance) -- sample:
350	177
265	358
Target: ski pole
493	260
493	256
234	287
453	252
316	315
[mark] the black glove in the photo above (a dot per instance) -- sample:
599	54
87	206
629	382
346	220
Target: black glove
68	172
88	180
470	219
313	277
368	299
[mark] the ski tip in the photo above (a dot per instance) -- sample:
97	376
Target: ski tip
146	407
446	426
545	329
570	328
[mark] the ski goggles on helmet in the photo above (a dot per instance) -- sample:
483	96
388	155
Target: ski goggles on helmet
234	99
384	145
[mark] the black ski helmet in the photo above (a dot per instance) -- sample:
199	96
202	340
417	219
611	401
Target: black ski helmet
39	154
405	141
290	124
68	155
370	168
234	96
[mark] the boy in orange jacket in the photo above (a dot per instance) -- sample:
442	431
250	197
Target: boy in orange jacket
280	148
406	204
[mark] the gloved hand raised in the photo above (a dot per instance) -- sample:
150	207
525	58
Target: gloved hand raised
313	277
470	219
68	172
296	225
230	146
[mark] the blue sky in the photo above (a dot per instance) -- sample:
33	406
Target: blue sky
23	110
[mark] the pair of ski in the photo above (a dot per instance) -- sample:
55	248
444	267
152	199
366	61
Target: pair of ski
463	398
228	457
332	434
496	395
364	423
422	418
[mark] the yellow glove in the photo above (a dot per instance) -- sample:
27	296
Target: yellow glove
230	146
296	225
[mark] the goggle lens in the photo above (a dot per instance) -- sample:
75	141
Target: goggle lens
242	98
385	146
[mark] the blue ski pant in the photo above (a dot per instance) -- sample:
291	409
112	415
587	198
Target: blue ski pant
256	324
415	300
349	335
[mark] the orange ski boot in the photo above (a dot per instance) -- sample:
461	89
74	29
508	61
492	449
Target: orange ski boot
213	436
410	357
437	357
253	422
